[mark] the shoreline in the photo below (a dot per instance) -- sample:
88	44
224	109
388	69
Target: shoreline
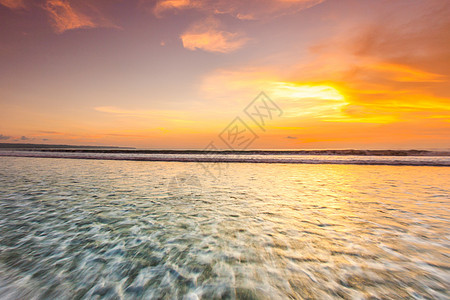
215	159
353	152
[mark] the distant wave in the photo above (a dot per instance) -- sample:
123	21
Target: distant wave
248	152
239	158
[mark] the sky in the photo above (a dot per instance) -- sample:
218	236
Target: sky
188	74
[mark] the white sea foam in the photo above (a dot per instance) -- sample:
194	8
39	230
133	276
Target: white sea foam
252	158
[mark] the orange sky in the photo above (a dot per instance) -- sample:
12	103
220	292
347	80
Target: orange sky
175	73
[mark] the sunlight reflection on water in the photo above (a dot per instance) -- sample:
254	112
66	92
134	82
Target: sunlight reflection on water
117	229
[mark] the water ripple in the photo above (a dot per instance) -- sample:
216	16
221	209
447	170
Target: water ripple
117	230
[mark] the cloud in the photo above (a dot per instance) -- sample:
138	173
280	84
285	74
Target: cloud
13	4
291	137
4	137
139	112
65	16
377	74
120	111
24	138
162	6
48	132
403	66
244	10
297	99
391	72
207	36
404	73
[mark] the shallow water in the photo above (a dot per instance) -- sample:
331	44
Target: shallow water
88	229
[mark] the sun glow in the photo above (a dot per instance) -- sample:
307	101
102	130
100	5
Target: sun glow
80	72
293	90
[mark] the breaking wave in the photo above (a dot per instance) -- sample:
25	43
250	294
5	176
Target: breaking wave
242	158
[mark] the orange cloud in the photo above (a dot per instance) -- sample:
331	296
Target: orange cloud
404	73
165	5
65	16
244	10
391	72
385	74
305	100
136	112
156	115
206	36
13	4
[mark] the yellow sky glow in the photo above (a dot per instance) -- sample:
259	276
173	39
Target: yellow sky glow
175	73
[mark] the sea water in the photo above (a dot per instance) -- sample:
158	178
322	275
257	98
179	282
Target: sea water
91	229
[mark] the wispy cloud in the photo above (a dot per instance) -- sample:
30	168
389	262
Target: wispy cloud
166	5
139	112
405	73
244	10
206	35
65	16
13	4
4	137
48	132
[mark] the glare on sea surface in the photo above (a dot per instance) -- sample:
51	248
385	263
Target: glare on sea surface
259	231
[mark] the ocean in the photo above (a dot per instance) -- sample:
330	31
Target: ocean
120	229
